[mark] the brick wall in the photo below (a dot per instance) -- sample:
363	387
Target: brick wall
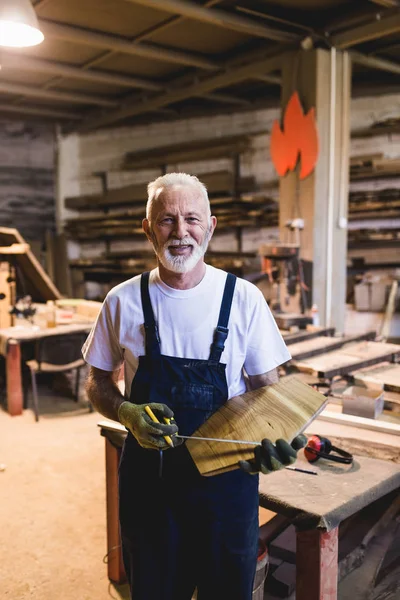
80	156
27	176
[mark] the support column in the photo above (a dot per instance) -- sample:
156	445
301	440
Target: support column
322	79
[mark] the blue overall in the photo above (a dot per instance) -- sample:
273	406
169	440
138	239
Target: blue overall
182	530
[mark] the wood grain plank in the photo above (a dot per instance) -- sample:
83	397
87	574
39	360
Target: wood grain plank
282	410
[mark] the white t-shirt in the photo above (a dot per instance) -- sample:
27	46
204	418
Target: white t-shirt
186	322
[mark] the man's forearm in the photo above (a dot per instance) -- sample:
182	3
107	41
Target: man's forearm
103	393
269	378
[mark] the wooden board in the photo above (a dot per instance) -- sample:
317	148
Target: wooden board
349	358
301	336
288	320
282	410
216	183
7	289
319	345
386	376
37	283
195	150
362	422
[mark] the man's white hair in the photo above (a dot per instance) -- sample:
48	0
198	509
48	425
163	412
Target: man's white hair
174	180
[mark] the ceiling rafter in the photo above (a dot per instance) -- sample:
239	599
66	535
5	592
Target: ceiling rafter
219	17
386	3
225	99
86	67
274	79
197	88
41	112
375	62
79	35
144	35
85	73
9	87
365	33
56	68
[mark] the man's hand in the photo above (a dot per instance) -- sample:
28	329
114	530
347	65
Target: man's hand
149	435
272	457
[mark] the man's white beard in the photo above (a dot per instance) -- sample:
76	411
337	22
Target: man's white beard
182	264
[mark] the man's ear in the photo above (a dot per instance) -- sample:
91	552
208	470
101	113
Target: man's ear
213	224
146	229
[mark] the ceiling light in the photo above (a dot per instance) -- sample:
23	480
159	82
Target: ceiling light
19	26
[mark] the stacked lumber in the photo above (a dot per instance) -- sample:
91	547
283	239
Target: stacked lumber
373	166
195	150
387	126
216	182
374	204
255	210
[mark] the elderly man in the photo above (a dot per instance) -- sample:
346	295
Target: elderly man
187	333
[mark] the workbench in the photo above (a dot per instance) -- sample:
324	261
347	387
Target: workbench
11	339
316	505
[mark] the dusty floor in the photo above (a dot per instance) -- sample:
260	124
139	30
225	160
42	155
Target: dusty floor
52	505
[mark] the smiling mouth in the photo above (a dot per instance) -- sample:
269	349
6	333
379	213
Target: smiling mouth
179	248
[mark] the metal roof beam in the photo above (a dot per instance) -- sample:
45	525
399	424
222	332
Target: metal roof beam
374	62
365	33
9	87
197	88
78	35
40	112
26	63
221	18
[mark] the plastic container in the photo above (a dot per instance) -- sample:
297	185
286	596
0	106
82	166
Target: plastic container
261	572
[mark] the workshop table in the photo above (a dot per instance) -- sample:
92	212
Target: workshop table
11	339
316	505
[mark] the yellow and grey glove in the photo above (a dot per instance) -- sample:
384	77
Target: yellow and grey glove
272	457
149	435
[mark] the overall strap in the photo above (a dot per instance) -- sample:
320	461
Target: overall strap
152	338
221	331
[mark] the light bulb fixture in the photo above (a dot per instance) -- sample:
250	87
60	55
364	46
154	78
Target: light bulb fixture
19	26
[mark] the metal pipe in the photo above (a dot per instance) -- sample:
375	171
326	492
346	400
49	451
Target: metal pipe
331	190
344	155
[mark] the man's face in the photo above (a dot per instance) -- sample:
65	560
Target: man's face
179	228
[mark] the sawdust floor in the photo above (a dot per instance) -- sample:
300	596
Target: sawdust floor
52	505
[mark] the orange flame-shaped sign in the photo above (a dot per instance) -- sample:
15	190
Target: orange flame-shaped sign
299	137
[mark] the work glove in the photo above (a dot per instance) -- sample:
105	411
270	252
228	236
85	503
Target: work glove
148	434
272	457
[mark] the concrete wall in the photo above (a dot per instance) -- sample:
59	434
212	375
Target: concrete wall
27	178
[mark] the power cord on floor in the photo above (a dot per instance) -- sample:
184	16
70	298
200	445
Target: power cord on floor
105	557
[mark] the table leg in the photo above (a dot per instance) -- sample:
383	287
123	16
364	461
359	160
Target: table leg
115	566
14	378
317	564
